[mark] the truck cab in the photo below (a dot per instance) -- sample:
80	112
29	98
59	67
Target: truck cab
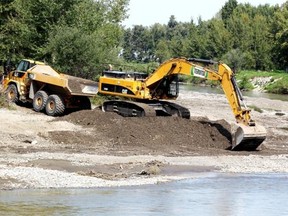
24	65
15	81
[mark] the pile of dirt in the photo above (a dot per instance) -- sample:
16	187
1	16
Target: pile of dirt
109	132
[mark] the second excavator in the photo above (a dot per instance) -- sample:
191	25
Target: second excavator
149	95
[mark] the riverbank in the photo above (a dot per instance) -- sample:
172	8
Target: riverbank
38	151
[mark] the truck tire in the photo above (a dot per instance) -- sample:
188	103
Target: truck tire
55	105
40	101
12	94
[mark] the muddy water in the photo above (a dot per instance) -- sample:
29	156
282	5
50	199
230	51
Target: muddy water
212	194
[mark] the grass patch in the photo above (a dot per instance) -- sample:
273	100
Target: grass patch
251	74
5	104
278	85
245	84
257	109
98	99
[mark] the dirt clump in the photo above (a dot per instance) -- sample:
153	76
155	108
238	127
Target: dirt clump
109	132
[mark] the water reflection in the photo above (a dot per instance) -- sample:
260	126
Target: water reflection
217	194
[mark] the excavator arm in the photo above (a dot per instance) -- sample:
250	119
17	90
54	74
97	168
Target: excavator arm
189	67
247	135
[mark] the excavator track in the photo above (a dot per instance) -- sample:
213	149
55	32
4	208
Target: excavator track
151	108
180	110
128	108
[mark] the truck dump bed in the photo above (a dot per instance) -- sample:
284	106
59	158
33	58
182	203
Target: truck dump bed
79	86
70	84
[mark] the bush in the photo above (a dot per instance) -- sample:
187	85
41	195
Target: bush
98	99
278	87
4	103
245	84
257	109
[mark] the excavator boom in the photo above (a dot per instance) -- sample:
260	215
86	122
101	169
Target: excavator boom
162	85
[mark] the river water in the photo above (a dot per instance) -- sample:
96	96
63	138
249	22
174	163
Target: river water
212	194
207	89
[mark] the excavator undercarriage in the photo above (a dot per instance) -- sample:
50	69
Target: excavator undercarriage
150	108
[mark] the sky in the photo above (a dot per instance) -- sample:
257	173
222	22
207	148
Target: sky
149	12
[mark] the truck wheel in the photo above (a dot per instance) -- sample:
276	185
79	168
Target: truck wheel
40	101
12	94
55	105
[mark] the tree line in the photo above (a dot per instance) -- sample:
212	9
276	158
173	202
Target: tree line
75	36
243	36
81	37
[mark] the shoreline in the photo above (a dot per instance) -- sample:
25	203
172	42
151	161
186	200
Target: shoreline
49	170
39	151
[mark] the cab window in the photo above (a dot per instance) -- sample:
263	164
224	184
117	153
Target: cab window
23	66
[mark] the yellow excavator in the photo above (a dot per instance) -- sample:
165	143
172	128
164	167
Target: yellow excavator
150	95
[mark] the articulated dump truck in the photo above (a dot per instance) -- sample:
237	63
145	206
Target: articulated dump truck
37	83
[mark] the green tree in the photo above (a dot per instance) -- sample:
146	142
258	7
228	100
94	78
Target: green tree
200	41
14	34
219	39
227	10
128	52
138	44
171	26
193	46
235	58
262	43
73	35
158	33
83	43
240	26
162	51
280	32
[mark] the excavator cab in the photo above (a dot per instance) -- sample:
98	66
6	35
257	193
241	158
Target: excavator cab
173	87
125	75
167	88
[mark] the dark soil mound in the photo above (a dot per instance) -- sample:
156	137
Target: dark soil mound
155	135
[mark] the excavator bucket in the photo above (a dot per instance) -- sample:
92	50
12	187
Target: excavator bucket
248	138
